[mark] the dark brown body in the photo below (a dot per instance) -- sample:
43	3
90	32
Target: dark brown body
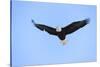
61	35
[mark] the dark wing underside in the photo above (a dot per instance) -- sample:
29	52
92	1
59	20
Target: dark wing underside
75	26
42	27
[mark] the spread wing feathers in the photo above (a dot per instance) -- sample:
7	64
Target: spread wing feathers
75	26
48	29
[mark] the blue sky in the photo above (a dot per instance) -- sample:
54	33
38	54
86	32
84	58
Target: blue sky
31	46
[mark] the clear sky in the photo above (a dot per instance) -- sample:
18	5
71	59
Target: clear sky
31	46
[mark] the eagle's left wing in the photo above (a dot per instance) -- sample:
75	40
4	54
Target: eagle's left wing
75	26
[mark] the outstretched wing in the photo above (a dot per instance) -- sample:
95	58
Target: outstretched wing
42	27
75	26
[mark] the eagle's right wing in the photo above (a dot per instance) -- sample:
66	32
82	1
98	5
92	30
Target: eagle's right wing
42	27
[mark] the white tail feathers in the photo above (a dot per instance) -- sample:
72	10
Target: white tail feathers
63	42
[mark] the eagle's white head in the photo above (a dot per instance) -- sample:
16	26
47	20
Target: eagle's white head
58	29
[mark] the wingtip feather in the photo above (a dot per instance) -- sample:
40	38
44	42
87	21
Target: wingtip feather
87	20
33	22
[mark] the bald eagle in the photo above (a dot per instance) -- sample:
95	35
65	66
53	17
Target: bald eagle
62	32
